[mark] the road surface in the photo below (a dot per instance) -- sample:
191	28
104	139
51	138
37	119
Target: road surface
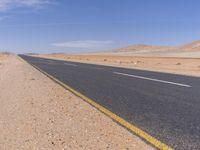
166	106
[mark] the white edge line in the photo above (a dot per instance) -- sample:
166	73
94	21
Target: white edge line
69	64
89	67
151	79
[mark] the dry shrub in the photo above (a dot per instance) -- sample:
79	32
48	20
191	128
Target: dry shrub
178	63
105	59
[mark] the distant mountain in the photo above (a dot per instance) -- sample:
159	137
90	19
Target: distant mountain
194	46
142	48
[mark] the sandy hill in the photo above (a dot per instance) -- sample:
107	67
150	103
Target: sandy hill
194	46
142	48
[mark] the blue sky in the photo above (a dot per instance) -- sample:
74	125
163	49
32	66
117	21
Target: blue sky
87	25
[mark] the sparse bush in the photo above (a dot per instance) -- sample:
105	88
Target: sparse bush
105	59
178	63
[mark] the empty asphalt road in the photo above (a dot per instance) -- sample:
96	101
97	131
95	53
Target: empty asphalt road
165	106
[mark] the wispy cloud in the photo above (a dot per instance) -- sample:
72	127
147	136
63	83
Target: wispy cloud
84	44
9	4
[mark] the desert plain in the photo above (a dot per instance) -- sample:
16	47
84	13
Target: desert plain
37	113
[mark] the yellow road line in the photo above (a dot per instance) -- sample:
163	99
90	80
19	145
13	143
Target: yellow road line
142	134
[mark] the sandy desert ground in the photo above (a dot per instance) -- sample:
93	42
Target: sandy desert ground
36	113
177	65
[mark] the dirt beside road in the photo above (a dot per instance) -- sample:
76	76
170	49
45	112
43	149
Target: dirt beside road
177	65
3	56
37	113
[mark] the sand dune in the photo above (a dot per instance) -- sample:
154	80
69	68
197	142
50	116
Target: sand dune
194	46
141	48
